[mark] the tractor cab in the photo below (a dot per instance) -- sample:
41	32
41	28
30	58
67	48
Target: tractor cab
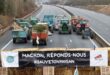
50	20
64	26
33	20
83	24
19	35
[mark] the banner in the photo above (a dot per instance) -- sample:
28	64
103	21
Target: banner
9	59
99	58
54	58
105	70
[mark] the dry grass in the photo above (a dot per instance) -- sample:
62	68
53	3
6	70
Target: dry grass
100	8
5	21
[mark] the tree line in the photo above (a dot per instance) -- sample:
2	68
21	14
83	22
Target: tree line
15	7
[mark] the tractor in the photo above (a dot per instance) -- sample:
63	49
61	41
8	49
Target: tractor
74	22
40	34
33	20
25	25
50	20
84	28
19	35
64	26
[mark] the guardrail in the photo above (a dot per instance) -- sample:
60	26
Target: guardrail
2	31
99	39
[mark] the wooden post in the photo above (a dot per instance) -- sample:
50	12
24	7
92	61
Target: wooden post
48	70
3	71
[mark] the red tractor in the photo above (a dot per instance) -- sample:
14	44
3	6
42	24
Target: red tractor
84	28
74	22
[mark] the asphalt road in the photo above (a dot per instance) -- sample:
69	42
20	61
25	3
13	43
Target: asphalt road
54	41
99	22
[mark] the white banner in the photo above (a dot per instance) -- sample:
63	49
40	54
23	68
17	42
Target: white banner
99	58
105	70
9	59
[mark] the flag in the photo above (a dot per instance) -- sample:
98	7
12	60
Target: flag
76	71
9	59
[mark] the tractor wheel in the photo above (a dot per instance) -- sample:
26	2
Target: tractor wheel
69	32
14	40
77	32
92	36
52	30
28	37
25	40
83	37
34	42
45	42
59	32
74	30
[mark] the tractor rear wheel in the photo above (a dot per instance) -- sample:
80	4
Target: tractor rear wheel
25	40
83	37
92	35
69	32
14	40
45	42
34	42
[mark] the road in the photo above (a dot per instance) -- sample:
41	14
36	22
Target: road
99	22
54	41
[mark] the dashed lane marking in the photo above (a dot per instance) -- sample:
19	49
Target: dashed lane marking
71	41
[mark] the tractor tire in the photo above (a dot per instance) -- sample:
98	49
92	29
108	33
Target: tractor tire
52	31
77	32
45	42
14	40
69	32
59	32
34	42
92	35
25	40
28	37
74	30
83	37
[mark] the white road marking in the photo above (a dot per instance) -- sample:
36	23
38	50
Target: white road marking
71	41
51	41
94	44
6	45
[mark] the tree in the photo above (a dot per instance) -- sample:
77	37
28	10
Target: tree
2	6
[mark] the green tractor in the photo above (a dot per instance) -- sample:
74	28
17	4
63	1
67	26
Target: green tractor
64	26
19	35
